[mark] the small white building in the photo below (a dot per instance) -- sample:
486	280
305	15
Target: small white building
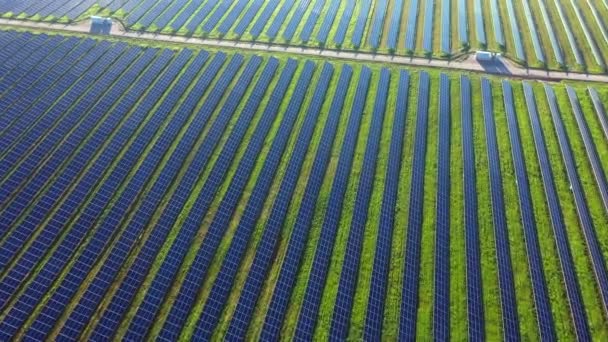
484	56
100	25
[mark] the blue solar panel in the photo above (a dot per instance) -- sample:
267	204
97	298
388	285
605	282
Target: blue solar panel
298	239
573	291
350	267
475	308
142	215
144	317
578	57
100	199
557	50
360	24
344	24
395	25
590	148
293	23
379	283
409	300
121	110
427	33
412	16
265	250
515	32
121	250
586	222
441	305
480	32
497	25
599	109
378	23
314	16
505	272
535	264
207	324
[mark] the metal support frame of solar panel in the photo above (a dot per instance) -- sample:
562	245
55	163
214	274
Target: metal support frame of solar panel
410	33
31	185
365	7
379	278
265	251
592	154
535	262
600	110
67	114
516	34
99	240
204	330
569	34
279	18
597	55
344	23
161	283
121	299
446	36
328	21
350	267
411	264
510	319
427	29
51	230
299	235
496	23
593	248
557	50
575	300
378	23
76	61
538	49
474	283
441	298
312	19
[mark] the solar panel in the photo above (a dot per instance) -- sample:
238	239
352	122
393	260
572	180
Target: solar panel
573	291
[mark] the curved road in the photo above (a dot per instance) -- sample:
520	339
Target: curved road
500	66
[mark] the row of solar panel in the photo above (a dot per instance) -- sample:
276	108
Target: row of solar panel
93	161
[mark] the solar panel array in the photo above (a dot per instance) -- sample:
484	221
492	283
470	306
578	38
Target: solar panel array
559	228
508	303
179	194
441	306
370	25
409	293
475	308
535	266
